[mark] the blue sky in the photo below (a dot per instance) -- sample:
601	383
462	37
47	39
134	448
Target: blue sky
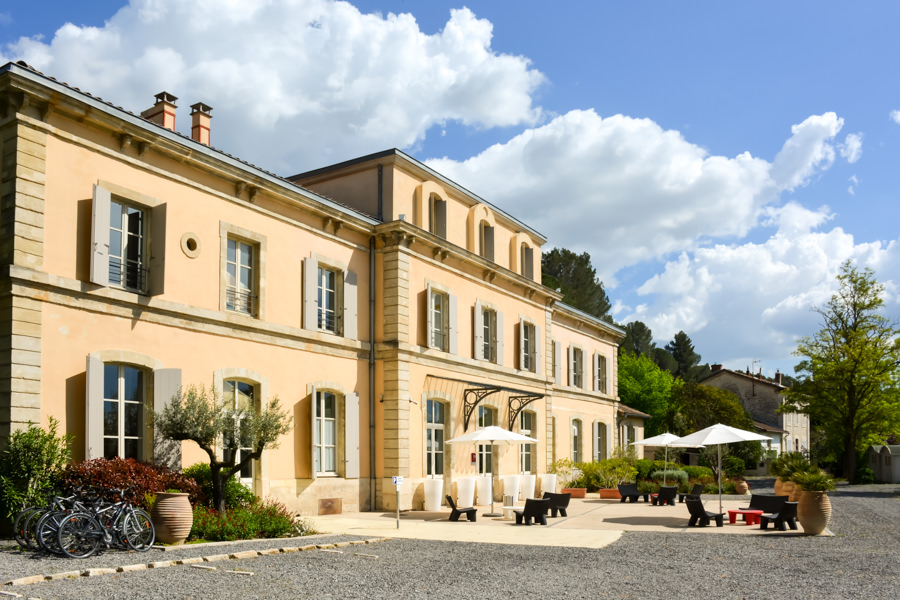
719	161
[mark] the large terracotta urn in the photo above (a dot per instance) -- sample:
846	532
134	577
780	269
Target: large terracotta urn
787	489
814	512
172	516
779	484
741	487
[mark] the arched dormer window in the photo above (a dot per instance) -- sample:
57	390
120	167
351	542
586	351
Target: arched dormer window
480	225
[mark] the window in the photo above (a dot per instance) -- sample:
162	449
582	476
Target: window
437	216
600	373
325	433
599	440
526	260
576	440
434	438
441	319
239	396
557	362
529	347
123	411
120	386
486	240
576	366
127	240
526	451
485	451
488	334
334	426
239	286
329	297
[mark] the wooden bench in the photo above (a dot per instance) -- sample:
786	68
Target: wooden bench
629	491
534	509
767	503
558	503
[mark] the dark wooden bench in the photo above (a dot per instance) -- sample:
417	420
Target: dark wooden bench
665	496
558	503
535	509
767	503
455	513
700	516
784	518
695	491
629	491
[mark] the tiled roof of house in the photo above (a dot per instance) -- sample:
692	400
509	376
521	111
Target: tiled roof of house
632	412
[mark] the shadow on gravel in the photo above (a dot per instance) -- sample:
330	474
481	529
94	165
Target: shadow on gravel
669	522
865	494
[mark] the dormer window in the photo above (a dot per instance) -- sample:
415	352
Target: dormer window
526	261
437	216
486	240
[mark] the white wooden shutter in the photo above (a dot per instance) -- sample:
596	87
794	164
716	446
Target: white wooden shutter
157	261
100	237
312	433
594	378
594	441
93	434
429	317
478	337
499	334
569	362
557	368
538	355
166	384
349	315
351	436
452	320
310	293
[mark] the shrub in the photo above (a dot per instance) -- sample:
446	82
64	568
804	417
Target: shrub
814	480
733	466
606	474
676	476
701	474
567	473
864	475
123	473
267	519
713	488
236	493
30	466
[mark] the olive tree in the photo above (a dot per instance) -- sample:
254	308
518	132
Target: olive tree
222	429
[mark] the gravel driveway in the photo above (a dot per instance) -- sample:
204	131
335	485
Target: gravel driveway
862	560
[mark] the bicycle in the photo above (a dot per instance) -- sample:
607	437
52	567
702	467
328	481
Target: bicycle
116	524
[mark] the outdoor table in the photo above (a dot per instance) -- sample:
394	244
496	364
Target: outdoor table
508	512
751	517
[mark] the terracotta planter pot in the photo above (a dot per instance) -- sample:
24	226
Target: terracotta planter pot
787	488
172	516
741	487
610	493
576	492
814	512
779	484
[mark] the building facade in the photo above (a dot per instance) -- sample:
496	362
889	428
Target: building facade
387	308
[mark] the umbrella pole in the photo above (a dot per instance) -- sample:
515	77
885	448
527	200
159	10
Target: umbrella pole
665	464
720	477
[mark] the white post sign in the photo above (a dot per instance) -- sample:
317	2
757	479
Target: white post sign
398	481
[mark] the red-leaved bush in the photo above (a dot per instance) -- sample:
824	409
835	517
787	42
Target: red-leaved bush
101	475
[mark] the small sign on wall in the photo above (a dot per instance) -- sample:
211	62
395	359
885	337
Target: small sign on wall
474	458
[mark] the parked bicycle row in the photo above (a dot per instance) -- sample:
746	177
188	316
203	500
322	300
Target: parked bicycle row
78	524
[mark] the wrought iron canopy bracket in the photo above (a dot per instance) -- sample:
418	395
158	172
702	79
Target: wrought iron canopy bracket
517	403
471	398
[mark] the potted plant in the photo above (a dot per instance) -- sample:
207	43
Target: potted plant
612	472
814	507
794	464
172	516
569	476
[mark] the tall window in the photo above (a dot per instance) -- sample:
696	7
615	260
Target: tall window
600	373
239	290
440	312
325	433
528	347
434	438
327	299
576	367
526	451
526	260
127	239
437	216
576	440
123	411
485	451
489	334
599	441
240	396
486	240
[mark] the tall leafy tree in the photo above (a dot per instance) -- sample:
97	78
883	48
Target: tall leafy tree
645	387
850	368
638	340
576	279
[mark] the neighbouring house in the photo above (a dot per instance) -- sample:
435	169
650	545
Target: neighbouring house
763	398
884	460
387	307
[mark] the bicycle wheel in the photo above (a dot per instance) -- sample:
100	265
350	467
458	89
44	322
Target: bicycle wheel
79	535
20	531
138	529
46	529
31	528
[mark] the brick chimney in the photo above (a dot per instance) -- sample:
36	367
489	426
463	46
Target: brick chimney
200	116
163	112
714	368
778	378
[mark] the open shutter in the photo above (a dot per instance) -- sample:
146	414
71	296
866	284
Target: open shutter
595	440
557	368
94	409
350	306
166	384
584	370
351	436
538	355
499	334
100	239
157	251
478	337
521	334
569	362
429	317
594	378
312	433
310	291
452	320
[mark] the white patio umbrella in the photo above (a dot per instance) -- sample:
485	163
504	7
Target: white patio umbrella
492	435
666	440
716	435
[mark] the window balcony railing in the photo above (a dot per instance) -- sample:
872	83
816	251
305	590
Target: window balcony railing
242	301
129	274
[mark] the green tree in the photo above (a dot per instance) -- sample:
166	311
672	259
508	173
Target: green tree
31	465
645	387
576	279
694	407
638	340
850	370
686	359
199	415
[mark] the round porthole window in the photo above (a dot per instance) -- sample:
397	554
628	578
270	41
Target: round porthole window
190	245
